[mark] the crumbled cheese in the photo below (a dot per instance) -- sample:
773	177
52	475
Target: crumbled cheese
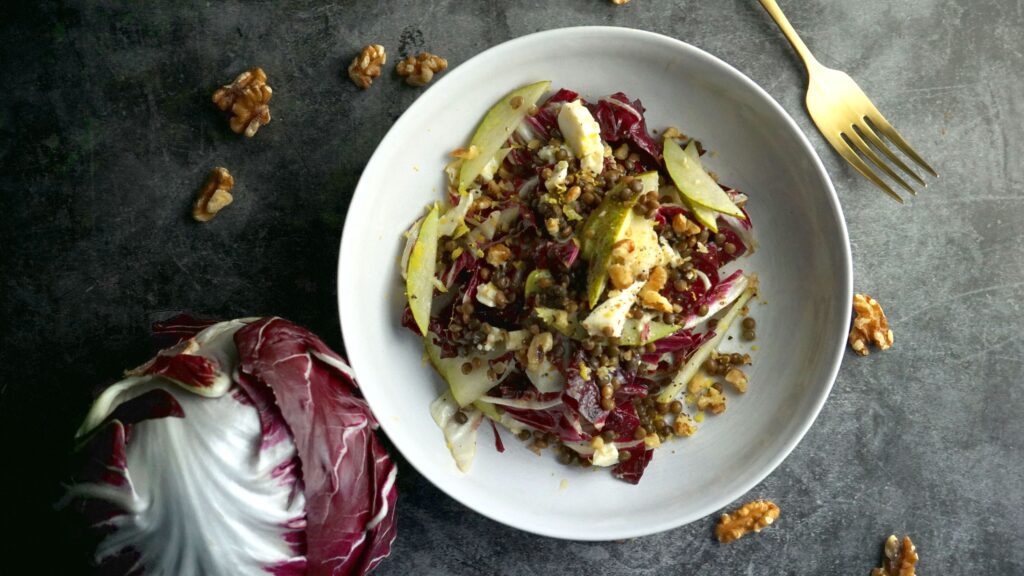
485	294
583	134
613	312
487	172
605	455
549	154
558	175
494	337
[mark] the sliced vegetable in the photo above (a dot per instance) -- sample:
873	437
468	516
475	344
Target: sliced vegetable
609	319
607	225
694	182
465	387
498	124
690	368
645	331
532	284
460	438
419	284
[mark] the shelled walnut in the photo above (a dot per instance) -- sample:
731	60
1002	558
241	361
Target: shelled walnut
367	65
215	195
419	70
248	100
870	325
900	558
751	517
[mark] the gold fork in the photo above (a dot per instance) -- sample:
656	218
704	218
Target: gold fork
846	116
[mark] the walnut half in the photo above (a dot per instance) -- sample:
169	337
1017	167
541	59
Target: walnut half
900	558
248	99
215	195
366	66
751	517
419	70
870	325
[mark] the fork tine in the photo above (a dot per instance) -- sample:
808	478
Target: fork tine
867	132
879	122
866	150
859	165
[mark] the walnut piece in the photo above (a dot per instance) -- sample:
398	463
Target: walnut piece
215	195
620	2
900	558
737	378
247	98
870	325
419	70
649	294
751	517
713	401
366	66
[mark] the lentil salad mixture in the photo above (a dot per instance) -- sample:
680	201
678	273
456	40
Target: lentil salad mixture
571	288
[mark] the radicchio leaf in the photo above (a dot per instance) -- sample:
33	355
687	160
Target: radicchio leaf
348	478
623	121
632	470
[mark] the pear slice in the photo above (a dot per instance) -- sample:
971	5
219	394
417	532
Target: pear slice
706	216
498	124
465	388
419	280
694	182
632	332
607	225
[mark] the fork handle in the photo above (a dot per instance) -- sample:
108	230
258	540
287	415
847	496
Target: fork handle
780	19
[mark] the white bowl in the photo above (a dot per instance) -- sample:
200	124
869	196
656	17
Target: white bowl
803	261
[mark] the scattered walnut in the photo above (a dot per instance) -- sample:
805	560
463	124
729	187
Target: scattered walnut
653	300
683	226
419	70
900	558
466	153
620	2
649	296
713	401
366	66
684	426
498	254
621	276
752	516
248	99
869	325
737	378
623	248
673	132
215	195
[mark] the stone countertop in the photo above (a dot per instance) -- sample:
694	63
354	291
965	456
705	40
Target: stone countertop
106	132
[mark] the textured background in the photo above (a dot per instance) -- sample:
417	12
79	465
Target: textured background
106	132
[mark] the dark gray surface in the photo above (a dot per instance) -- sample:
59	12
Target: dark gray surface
106	132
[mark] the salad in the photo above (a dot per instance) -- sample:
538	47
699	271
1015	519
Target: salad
570	287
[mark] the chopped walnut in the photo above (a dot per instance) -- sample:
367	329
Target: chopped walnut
684	426
683	226
498	254
621	276
248	99
215	195
620	2
623	248
713	401
366	66
649	294
870	325
751	517
900	558
419	70
466	153
737	378
673	132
